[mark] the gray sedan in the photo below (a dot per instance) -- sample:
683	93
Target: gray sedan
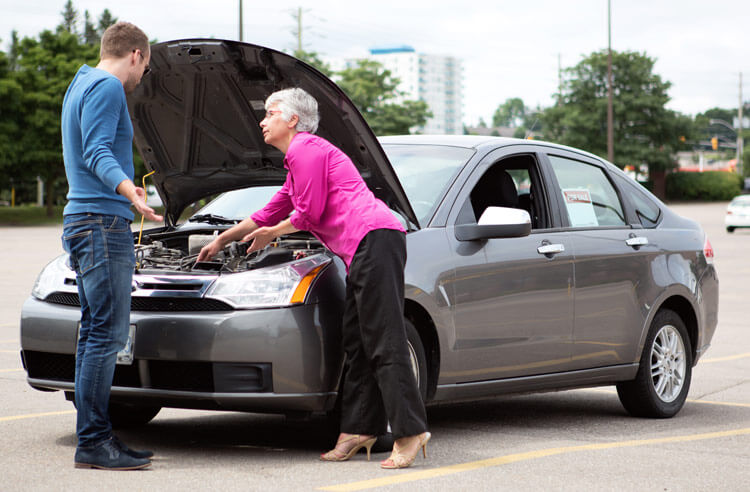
531	266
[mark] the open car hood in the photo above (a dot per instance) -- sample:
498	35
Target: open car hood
196	121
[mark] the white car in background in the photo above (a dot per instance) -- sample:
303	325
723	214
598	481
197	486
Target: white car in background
738	213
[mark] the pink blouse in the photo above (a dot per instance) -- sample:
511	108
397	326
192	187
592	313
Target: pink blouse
329	197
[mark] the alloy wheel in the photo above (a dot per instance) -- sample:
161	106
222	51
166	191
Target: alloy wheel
668	363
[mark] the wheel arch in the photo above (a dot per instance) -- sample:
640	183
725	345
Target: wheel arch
422	321
686	312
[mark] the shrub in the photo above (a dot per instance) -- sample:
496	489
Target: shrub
709	185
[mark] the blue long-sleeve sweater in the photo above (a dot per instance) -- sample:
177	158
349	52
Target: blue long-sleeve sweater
97	138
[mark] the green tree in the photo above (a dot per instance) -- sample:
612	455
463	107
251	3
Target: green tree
90	34
45	68
644	130
69	18
105	20
374	92
312	58
510	113
10	121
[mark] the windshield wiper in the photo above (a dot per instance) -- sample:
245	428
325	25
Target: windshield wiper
212	219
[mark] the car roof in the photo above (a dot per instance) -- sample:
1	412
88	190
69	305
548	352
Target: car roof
479	141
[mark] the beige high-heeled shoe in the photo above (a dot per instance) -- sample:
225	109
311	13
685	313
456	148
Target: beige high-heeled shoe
402	460
336	455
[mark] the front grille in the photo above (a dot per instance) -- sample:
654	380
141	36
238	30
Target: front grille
164	375
44	365
163	304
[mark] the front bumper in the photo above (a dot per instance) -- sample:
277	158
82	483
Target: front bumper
265	360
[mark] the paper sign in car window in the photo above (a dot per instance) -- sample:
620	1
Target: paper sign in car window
580	208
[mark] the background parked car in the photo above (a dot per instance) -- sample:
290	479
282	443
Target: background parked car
738	213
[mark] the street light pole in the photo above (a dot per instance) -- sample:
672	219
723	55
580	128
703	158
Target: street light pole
610	110
740	141
240	20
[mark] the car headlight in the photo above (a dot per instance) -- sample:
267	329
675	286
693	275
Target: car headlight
271	286
51	278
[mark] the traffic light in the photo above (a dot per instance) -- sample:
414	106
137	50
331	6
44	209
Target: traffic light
715	143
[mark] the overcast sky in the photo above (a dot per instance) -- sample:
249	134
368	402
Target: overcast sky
508	48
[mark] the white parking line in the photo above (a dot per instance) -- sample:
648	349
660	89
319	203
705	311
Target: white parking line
11	370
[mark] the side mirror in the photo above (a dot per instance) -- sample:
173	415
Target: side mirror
496	222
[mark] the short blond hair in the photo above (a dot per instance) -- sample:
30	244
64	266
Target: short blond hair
122	38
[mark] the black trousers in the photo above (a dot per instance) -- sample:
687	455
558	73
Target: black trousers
379	385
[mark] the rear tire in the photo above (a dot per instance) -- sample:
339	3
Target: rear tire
730	229
662	383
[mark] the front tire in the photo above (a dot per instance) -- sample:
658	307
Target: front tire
663	380
418	363
128	415
730	229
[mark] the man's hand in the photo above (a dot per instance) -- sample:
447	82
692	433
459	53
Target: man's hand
137	197
209	251
260	238
142	208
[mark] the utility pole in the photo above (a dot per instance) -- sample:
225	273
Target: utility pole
240	20
299	28
740	140
610	110
559	81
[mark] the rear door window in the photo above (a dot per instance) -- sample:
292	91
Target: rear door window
646	210
589	197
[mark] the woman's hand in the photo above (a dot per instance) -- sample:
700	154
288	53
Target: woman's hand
209	251
260	238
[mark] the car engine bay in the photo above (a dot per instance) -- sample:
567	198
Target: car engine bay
178	251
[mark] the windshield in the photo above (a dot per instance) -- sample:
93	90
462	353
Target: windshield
238	204
425	172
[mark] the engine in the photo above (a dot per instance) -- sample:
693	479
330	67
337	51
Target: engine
179	253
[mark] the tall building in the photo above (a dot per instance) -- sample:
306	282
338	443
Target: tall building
434	79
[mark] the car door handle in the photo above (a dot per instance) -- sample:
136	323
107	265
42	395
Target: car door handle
636	241
550	249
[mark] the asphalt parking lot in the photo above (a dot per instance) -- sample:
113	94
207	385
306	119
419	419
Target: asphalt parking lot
572	440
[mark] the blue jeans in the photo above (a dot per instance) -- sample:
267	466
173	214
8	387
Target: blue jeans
101	253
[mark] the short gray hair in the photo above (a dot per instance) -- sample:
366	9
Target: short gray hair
296	102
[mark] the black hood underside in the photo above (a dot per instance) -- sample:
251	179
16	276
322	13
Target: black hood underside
196	120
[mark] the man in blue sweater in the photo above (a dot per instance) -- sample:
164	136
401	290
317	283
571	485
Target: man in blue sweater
97	137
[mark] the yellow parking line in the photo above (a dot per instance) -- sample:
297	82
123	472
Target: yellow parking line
10	370
722	359
530	455
34	415
725	403
689	400
9	351
8	341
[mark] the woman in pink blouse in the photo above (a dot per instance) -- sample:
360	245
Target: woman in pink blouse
330	199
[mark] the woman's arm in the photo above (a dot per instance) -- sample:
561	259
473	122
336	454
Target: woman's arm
261	236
